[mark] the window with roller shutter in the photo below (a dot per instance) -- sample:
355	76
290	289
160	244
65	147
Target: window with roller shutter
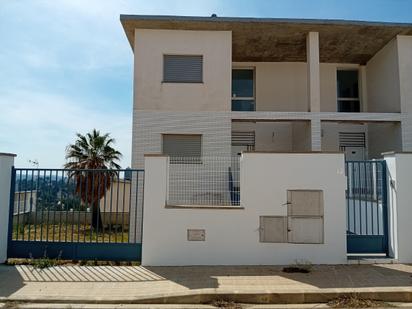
182	148
182	69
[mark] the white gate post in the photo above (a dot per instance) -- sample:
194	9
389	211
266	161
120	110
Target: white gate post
6	163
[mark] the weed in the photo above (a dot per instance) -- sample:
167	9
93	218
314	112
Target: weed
355	301
45	261
221	303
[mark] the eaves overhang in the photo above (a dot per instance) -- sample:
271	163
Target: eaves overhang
282	40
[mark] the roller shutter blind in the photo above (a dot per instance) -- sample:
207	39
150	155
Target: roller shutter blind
352	139
183	148
182	69
243	138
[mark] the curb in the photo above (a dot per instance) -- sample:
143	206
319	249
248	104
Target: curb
208	297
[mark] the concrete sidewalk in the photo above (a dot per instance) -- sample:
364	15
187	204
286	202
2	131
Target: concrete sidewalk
195	285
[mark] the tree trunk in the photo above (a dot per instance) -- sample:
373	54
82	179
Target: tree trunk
96	218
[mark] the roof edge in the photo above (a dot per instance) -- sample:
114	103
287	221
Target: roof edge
128	17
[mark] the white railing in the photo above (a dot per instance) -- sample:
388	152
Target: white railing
205	181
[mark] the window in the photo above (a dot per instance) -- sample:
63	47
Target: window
348	91
182	148
243	90
182	69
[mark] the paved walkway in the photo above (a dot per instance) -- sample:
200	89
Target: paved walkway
260	284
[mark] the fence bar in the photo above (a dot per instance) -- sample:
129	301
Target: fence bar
384	200
93	206
372	196
117	207
129	206
42	208
141	220
24	202
36	210
366	198
135	212
87	204
111	208
377	198
79	192
31	204
98	215
18	207
104	207
123	205
353	195
347	196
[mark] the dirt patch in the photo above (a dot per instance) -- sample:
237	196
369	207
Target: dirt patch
220	303
355	301
295	269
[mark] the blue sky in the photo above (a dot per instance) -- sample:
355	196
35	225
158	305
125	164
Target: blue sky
66	66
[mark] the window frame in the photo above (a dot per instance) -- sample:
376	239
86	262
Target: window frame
171	161
340	99
233	98
164	81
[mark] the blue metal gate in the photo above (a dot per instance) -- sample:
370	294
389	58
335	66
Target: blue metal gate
76	214
367	213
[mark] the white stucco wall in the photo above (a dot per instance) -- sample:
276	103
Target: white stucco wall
400	197
281	86
392	140
405	71
232	235
6	162
382	73
212	95
405	77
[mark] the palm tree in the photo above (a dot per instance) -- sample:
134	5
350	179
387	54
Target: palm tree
92	160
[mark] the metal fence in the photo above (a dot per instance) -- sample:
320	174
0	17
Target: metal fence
212	181
66	206
366	206
365	197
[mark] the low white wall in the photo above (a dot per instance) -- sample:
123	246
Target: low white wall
400	211
6	162
232	234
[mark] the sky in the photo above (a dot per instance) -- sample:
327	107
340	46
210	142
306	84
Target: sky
66	65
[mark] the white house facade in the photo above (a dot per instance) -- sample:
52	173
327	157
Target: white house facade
238	84
216	86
